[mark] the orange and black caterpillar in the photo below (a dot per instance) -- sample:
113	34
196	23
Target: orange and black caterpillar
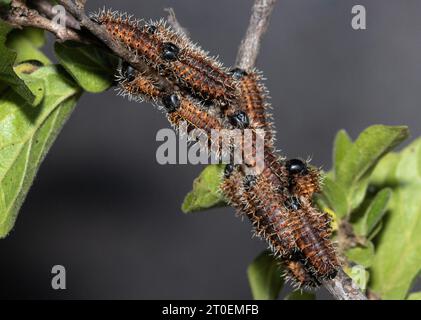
304	181
253	101
137	86
180	108
173	55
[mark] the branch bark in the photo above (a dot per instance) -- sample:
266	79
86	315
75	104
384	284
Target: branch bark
20	15
343	288
45	7
250	45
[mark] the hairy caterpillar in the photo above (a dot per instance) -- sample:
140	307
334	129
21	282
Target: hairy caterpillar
172	55
181	108
253	101
137	86
304	181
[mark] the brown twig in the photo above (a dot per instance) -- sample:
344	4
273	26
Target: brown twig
341	287
259	21
77	11
173	22
45	7
20	15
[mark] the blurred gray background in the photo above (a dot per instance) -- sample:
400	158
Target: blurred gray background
102	206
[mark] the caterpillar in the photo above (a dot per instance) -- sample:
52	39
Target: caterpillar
172	55
180	108
137	86
311	237
304	181
253	101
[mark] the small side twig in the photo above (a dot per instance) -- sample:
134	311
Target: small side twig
259	21
172	20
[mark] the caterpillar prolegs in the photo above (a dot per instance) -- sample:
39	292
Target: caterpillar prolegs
207	96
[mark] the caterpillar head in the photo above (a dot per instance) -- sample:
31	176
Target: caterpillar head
170	51
171	102
296	166
239	120
237	73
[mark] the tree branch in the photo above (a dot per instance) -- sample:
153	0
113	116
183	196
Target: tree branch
343	288
250	45
20	15
45	7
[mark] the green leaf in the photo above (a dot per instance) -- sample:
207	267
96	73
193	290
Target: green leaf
341	146
362	255
91	67
384	172
336	197
205	193
398	247
371	145
265	277
357	193
7	59
26	43
5	2
301	295
26	134
414	296
359	275
374	213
